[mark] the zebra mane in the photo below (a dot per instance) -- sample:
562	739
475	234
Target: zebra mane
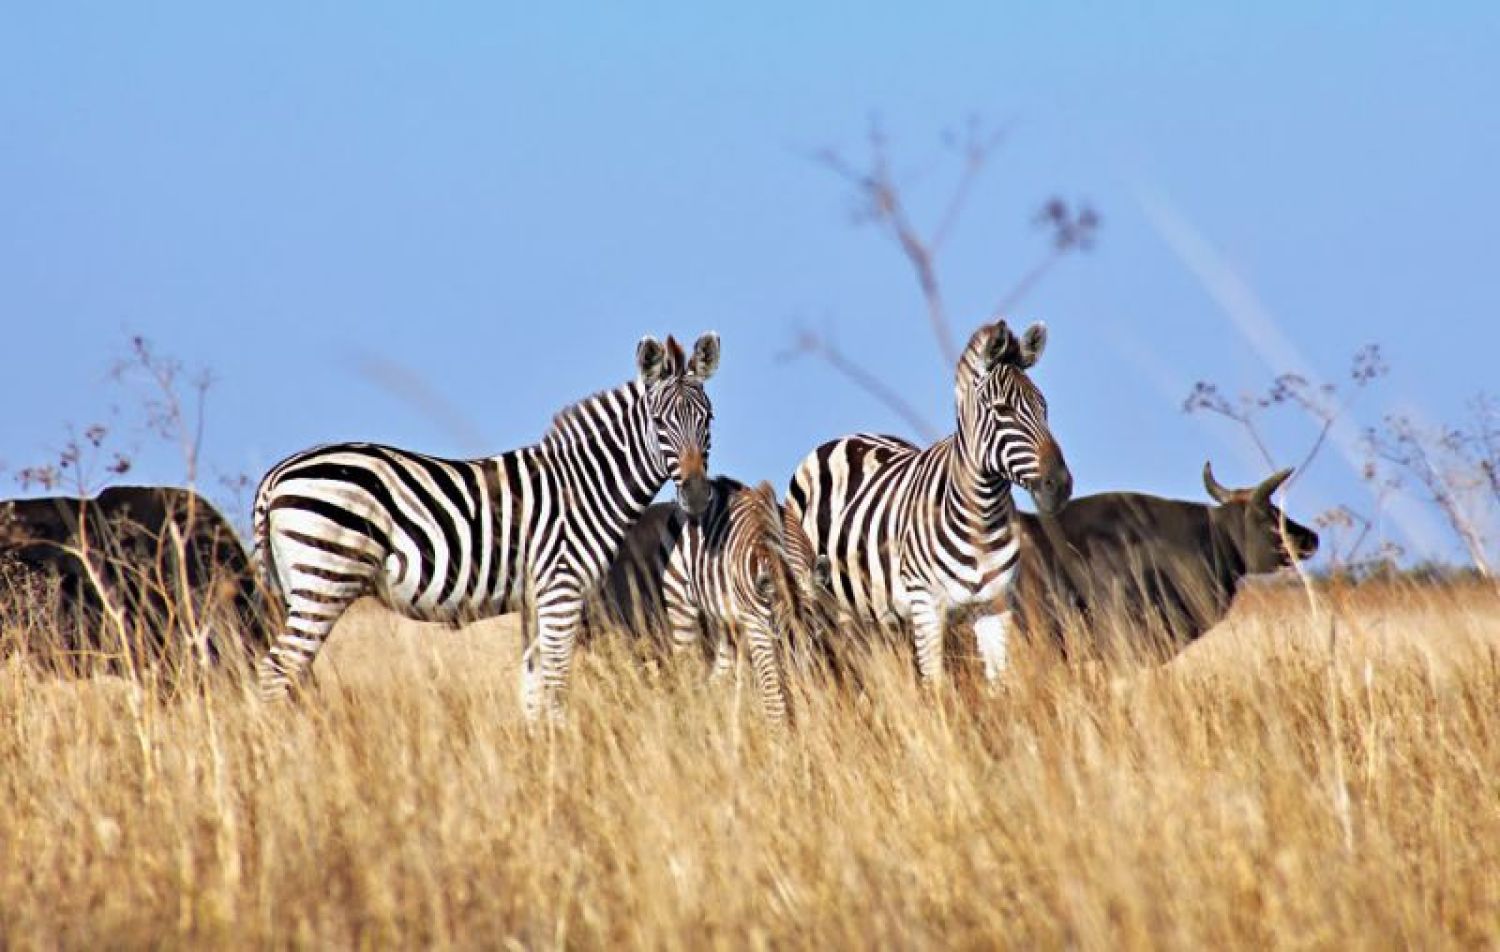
759	506
560	433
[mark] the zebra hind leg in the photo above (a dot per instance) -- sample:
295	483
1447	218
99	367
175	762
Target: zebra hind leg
310	616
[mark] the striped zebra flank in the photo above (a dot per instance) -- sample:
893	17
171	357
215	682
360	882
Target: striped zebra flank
740	576
532	530
913	535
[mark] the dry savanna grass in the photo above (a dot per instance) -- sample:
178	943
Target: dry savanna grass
1303	777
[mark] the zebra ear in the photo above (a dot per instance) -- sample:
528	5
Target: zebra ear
705	357
1032	343
650	360
989	346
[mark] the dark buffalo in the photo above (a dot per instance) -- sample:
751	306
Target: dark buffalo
1163	570
156	570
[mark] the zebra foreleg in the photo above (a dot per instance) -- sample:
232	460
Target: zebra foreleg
992	637
768	674
548	660
929	623
685	629
726	652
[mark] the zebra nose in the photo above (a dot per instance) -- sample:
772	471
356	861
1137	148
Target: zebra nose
693	495
1054	487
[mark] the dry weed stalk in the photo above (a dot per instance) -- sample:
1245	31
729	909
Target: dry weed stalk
1454	467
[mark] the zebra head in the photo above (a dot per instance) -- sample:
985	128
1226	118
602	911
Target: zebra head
680	412
1002	416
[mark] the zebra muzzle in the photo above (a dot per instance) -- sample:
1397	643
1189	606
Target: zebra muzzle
694	494
1053	486
694	491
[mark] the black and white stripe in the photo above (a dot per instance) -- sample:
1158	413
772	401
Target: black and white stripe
739	576
912	535
531	530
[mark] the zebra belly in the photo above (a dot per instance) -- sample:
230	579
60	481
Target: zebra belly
880	600
400	589
967	587
959	593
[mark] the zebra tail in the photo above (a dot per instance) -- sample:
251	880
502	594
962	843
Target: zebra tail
260	531
267	605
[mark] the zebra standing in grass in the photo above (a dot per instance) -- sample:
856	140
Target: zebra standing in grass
532	530
738	576
912	535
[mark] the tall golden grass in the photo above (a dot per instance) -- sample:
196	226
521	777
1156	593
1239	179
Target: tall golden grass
1307	778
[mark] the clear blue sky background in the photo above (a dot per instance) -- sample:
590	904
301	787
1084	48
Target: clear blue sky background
499	203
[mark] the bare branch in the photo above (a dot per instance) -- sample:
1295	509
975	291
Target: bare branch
1313	450
1207	398
1321	402
1337	524
1007	304
1073	229
809	342
1438	460
166	415
881	201
977	148
884	205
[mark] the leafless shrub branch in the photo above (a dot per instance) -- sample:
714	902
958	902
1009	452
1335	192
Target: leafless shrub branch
1453	468
166	414
880	199
809	342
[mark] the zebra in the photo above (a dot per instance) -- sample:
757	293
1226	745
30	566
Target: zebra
741	574
531	530
913	535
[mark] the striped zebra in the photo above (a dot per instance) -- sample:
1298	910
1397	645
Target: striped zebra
531	530
740	575
913	535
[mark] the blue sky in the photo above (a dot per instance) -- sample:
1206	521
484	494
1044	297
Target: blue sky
314	201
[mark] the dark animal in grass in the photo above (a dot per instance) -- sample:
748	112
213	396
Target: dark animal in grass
1163	570
137	577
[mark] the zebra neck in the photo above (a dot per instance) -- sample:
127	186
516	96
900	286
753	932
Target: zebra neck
604	451
976	505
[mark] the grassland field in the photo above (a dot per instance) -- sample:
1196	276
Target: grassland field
1315	773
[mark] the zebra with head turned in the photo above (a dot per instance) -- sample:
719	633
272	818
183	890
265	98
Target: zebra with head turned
913	535
739	575
531	530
